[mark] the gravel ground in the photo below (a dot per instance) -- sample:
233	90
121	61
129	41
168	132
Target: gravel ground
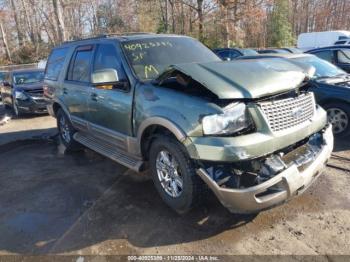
85	204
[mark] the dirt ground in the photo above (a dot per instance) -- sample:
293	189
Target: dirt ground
84	204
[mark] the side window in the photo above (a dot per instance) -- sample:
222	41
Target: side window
55	63
107	57
326	55
340	42
343	56
234	54
224	54
79	68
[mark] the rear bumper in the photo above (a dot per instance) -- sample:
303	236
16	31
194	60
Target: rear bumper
291	182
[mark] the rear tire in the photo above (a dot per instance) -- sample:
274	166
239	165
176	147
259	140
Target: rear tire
182	188
339	116
66	131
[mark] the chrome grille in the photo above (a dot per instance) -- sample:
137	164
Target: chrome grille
289	112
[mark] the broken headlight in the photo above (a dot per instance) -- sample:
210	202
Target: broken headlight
20	95
233	119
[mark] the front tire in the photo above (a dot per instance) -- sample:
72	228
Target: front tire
339	116
174	175
66	131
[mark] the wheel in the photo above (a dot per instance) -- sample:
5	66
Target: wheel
339	115
174	175
66	131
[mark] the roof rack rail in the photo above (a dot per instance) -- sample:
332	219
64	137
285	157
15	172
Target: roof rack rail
107	35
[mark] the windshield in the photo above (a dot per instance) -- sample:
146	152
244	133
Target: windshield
150	57
28	77
323	68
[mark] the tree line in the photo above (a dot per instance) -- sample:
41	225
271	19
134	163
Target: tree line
29	28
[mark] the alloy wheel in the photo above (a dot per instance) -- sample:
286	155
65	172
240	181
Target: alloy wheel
65	130
339	119
169	174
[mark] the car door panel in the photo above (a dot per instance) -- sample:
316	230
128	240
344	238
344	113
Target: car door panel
110	110
77	86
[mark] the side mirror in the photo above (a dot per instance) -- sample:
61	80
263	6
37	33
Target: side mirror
105	77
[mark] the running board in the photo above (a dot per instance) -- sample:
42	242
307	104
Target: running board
109	150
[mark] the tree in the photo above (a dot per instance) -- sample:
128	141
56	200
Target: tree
281	33
4	40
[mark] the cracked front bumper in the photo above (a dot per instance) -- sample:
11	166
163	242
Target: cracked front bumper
31	106
291	182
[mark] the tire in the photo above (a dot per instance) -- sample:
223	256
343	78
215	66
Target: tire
193	189
339	115
66	131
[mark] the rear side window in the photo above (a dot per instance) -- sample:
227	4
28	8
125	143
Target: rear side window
79	68
326	55
55	63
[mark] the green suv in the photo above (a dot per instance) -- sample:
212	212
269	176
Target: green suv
250	131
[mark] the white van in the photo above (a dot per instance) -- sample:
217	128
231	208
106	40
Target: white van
307	41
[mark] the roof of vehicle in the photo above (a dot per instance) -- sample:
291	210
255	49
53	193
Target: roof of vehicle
273	50
278	55
27	70
292	49
122	37
241	50
329	47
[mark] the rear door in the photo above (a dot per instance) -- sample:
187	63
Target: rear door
110	108
77	85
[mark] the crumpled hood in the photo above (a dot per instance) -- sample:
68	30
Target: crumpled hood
243	78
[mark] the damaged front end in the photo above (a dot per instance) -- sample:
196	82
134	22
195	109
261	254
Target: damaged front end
255	185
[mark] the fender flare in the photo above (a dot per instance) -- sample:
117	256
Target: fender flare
161	121
62	106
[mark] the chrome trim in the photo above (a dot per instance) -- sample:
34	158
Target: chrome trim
289	112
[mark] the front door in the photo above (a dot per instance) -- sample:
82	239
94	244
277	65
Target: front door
76	88
110	110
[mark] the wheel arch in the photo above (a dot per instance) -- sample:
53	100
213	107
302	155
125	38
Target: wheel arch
157	125
56	105
328	101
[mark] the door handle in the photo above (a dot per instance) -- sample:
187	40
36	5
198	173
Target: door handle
93	96
65	90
